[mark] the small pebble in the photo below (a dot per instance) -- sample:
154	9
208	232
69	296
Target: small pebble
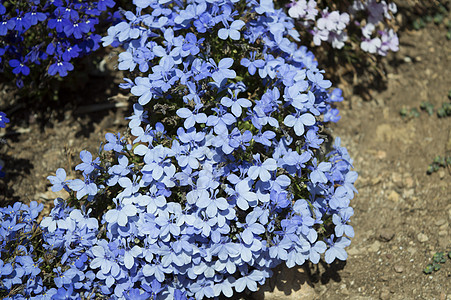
393	196
354	251
399	269
442	233
422	238
409	182
374	247
440	222
407	59
386	235
385	295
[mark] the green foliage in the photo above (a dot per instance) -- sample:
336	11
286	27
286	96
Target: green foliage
409	113
438	14
437	163
437	259
444	111
428	107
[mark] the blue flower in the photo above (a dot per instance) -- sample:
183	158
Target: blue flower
192	117
341	219
19	67
252	64
318	173
3	120
60	67
88	165
121	214
262	169
192	44
251	229
235	103
115	142
336	249
232	30
298	122
221	71
59	181
83	187
244	196
249	281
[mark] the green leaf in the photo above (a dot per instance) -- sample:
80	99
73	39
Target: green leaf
428	269
430	170
441	113
403	112
436	267
438	19
414	112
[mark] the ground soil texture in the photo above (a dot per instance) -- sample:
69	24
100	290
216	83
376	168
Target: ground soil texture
402	215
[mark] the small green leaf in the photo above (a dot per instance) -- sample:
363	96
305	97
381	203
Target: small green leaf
438	19
436	267
418	24
428	269
438	257
414	112
428	107
403	112
441	113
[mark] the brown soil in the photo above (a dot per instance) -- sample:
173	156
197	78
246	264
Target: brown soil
402	215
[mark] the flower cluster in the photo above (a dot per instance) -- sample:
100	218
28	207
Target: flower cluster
222	175
370	17
19	266
47	33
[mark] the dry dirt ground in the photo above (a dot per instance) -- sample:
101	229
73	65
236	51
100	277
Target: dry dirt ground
402	215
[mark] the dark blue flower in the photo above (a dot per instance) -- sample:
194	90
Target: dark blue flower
3	120
19	67
60	67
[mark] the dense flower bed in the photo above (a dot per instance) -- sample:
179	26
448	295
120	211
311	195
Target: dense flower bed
222	175
366	21
47	35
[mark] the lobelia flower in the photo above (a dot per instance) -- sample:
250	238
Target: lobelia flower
221	71
336	249
225	182
88	164
59	181
231	30
3	120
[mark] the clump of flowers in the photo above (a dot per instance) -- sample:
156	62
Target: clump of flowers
47	33
223	174
368	20
19	264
